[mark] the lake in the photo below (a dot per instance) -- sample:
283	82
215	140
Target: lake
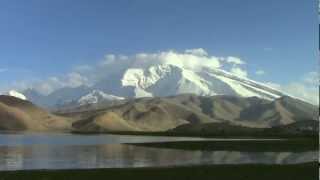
74	151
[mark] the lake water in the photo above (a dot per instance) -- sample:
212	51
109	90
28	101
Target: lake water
70	151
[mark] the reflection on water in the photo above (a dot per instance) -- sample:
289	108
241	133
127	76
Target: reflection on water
77	139
65	151
118	155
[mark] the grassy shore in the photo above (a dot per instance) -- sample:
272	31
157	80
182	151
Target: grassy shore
308	171
291	145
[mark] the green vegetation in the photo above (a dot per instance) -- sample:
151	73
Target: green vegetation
307	171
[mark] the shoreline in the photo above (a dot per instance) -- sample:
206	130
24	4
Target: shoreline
174	134
298	145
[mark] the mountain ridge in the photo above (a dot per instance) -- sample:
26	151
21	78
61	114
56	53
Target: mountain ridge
160	80
165	113
188	112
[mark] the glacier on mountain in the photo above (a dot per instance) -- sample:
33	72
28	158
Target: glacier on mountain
97	96
16	94
157	75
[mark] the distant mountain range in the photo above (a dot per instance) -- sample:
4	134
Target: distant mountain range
158	80
182	113
162	114
158	97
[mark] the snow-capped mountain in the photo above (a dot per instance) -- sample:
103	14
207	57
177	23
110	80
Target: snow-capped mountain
57	98
97	96
16	94
157	80
167	79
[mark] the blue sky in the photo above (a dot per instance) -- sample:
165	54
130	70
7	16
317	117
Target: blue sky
44	38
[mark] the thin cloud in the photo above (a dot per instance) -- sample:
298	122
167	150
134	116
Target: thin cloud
239	71
267	49
234	60
192	59
305	88
311	78
199	52
82	68
260	72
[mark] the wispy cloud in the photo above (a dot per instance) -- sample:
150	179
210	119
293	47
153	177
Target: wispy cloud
260	72
311	78
195	59
234	60
82	68
305	88
267	49
239	71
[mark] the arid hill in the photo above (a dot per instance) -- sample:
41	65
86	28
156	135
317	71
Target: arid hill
186	112
17	114
163	114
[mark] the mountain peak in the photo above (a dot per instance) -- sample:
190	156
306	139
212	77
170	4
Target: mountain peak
160	79
16	94
96	96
